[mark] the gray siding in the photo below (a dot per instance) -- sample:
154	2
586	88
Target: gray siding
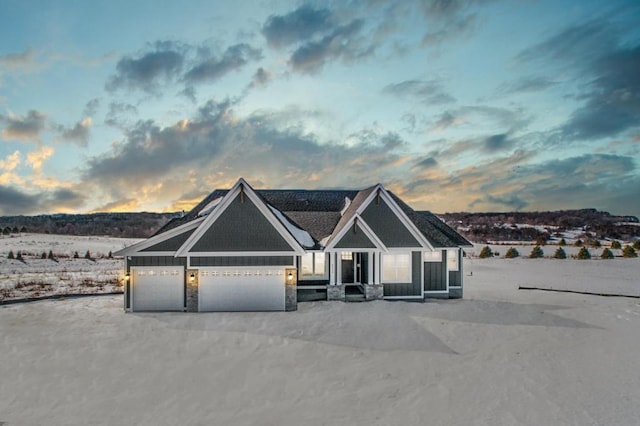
172	244
413	288
386	225
242	261
355	239
157	261
241	227
435	278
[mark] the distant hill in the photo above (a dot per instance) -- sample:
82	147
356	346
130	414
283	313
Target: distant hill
530	226
124	225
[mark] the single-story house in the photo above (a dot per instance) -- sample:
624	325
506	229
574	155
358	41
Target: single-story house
242	249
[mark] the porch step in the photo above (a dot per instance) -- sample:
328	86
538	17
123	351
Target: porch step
354	298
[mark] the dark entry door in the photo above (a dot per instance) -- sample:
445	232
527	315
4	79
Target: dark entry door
347	271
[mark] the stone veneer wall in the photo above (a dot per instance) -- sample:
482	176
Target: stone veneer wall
192	291
336	292
291	297
373	291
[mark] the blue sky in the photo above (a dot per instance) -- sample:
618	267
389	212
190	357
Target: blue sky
453	105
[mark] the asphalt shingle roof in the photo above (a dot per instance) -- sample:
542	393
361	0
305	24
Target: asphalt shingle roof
318	212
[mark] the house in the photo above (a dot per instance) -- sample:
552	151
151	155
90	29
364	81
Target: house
263	250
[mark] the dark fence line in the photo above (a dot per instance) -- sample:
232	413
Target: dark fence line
56	296
579	292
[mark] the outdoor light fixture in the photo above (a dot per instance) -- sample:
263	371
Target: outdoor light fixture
192	277
127	277
290	276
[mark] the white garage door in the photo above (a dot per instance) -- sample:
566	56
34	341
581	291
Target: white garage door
241	289
158	288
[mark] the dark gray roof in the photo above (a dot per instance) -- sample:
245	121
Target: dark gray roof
318	212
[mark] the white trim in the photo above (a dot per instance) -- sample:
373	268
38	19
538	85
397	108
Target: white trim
156	239
248	192
455	287
379	245
436	292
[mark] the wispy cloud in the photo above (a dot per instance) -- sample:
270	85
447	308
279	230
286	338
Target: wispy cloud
428	92
23	128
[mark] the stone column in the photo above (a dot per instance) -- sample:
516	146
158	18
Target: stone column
336	292
373	291
192	290
291	290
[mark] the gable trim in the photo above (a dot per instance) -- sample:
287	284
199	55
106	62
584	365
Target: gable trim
244	190
356	220
379	191
156	239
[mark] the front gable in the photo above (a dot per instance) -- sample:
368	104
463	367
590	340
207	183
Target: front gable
241	222
387	226
241	227
171	244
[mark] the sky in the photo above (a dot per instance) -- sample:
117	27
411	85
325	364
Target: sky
460	105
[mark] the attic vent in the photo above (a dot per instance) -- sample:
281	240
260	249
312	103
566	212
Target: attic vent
241	194
378	196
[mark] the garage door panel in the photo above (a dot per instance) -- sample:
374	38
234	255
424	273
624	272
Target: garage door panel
236	289
158	289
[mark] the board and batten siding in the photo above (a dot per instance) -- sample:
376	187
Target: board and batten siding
414	288
172	244
241	227
435	278
355	238
242	261
386	225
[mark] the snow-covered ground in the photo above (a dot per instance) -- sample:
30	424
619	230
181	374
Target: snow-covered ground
37	277
500	356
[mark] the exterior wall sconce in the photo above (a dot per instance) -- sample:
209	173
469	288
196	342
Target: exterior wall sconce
127	277
192	277
290	276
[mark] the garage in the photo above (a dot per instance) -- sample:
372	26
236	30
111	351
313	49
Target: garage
241	289
157	288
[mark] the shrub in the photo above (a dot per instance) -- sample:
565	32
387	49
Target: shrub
50	256
23	229
584	253
615	244
511	253
560	254
628	251
541	239
76	255
606	254
10	255
44	255
110	255
595	243
87	255
578	243
636	245
536	253
19	256
485	252
562	242
15	230
6	231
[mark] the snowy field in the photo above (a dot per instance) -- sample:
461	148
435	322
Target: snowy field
500	356
37	277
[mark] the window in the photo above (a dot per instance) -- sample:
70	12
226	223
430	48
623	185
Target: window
452	260
312	265
433	256
396	268
346	255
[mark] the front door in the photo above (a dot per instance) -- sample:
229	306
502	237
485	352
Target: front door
347	259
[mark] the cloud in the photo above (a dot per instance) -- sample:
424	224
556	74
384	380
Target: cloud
296	26
120	114
260	78
426	163
216	146
23	128
213	68
527	84
11	161
23	60
497	143
79	133
480	115
428	92
91	107
14	201
37	158
145	72
613	104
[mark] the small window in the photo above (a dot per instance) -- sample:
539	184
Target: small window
396	268
319	265
433	256
306	265
452	260
346	255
